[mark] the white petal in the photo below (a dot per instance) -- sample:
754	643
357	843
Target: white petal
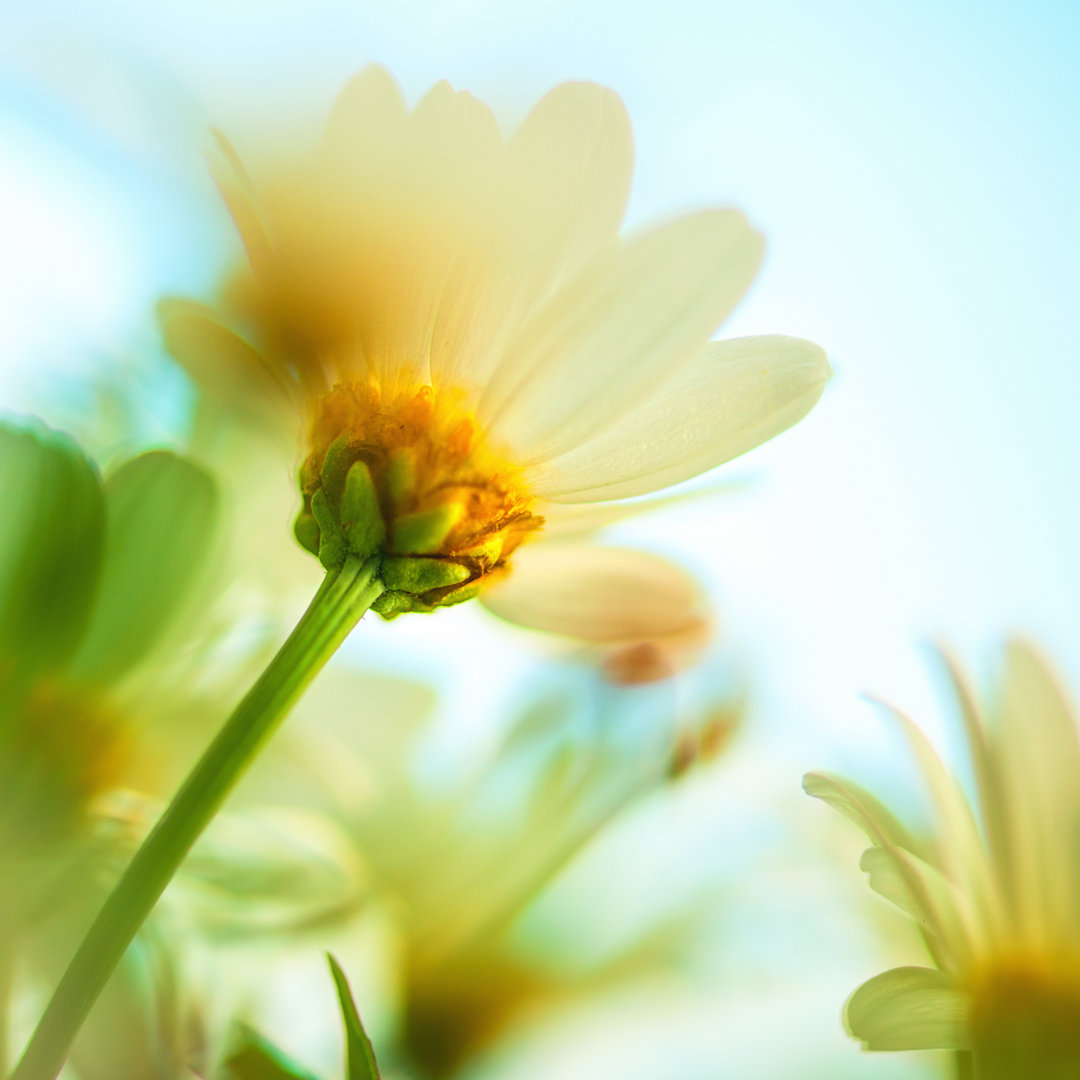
909	1008
222	364
612	335
577	521
1037	761
596	594
732	397
368	114
555	200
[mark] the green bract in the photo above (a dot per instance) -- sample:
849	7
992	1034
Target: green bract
348	514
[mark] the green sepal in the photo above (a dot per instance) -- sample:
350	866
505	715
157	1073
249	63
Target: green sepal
361	516
360	1063
161	513
306	530
425	531
392	604
459	596
331	535
255	1058
418	576
336	465
399	475
52	535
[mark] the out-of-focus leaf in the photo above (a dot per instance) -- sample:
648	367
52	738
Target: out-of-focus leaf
360	1057
256	1058
161	512
52	529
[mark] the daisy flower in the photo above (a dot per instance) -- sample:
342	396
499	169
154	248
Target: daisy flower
995	890
466	343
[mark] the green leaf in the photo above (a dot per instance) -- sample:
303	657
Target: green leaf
909	1008
256	1058
52	531
360	1057
162	514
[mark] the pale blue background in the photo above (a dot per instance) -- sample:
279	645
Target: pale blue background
914	167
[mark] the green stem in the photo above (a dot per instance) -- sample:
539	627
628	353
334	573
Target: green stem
343	598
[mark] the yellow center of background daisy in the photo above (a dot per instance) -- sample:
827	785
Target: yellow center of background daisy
411	479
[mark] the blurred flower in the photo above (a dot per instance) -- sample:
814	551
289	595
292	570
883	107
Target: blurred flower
466	340
98	579
95	578
459	859
995	890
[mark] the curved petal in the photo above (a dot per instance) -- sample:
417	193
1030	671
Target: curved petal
909	1008
612	335
732	397
596	594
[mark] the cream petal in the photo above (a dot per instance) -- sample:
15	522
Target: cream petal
1037	760
577	521
368	115
221	363
557	200
612	335
733	396
909	1008
597	594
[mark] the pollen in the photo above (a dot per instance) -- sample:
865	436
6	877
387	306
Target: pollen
413	480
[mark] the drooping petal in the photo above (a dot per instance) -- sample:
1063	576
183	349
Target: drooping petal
860	807
733	396
617	331
909	1008
597	594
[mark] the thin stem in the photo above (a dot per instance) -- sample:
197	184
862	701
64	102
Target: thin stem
343	598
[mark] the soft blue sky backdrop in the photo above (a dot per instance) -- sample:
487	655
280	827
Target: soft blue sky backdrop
913	166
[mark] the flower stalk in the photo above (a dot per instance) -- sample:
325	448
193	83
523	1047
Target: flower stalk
341	601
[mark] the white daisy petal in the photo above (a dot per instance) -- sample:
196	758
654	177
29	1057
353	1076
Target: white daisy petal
556	200
611	335
367	116
909	1008
596	594
732	397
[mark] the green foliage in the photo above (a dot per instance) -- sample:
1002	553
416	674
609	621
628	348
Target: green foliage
161	517
256	1058
52	536
360	1057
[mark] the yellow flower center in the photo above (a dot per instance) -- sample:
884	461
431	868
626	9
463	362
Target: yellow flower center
1025	1018
60	749
411	479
